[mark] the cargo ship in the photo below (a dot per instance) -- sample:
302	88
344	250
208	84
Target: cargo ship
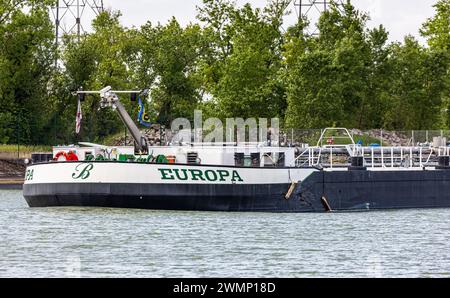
240	177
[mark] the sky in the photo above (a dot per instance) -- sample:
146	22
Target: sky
400	17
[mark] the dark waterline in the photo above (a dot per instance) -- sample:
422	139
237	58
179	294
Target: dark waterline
96	242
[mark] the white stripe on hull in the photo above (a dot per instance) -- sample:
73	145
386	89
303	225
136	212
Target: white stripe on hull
121	172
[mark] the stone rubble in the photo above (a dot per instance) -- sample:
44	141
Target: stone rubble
155	135
12	168
389	138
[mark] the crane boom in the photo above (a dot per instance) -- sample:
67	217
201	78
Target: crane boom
109	98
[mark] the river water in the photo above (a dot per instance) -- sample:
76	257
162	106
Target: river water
98	242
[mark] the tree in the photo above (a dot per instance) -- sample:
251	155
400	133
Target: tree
9	7
26	55
437	31
379	78
167	63
312	93
329	81
418	87
99	59
241	70
437	28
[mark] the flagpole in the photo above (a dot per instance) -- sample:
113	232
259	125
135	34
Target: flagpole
78	118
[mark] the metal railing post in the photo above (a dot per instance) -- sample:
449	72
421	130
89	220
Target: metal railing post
392	157
401	156
420	156
410	157
331	157
373	161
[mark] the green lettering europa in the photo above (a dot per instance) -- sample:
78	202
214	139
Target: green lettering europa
197	174
236	177
166	174
183	177
211	175
29	175
223	174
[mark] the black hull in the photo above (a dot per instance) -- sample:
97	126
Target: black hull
212	197
321	191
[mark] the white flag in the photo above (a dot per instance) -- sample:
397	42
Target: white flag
79	117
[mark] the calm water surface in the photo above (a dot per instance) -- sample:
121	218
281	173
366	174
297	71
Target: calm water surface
97	242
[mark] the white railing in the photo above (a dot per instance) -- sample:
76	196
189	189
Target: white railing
374	157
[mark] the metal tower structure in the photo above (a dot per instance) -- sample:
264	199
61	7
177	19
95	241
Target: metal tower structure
70	14
311	10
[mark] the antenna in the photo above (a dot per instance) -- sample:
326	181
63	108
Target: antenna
311	10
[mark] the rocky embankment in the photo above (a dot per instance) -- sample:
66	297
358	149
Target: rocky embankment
155	135
12	168
389	138
11	174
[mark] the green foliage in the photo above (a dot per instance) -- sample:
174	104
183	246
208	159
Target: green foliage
168	60
417	93
437	28
26	58
350	76
24	149
241	70
328	81
99	59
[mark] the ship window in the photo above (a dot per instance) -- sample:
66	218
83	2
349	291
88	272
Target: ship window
255	157
281	158
239	159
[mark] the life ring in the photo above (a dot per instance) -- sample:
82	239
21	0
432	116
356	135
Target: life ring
59	154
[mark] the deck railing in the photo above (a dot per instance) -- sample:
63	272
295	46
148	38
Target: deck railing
374	157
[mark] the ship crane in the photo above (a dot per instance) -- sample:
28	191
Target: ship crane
109	98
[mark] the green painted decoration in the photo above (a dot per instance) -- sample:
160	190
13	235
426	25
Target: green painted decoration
84	173
29	175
